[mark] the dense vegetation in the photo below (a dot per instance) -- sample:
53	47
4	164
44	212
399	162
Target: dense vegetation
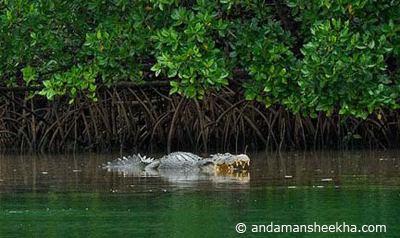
308	58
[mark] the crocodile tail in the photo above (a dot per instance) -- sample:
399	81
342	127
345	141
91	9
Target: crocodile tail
144	159
133	160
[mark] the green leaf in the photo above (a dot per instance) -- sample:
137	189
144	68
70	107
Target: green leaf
29	74
190	91
388	49
174	84
173	90
224	75
371	45
73	91
175	14
172	73
156	67
250	95
92	87
47	83
291	4
272	69
313	115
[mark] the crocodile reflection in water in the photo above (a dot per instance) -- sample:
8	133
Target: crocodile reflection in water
184	166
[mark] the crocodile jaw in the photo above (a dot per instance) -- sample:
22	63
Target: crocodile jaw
236	163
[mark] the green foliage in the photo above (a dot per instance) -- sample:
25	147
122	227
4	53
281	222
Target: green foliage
51	42
77	79
311	56
263	49
346	51
345	68
186	51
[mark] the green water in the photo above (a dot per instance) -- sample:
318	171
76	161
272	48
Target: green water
71	196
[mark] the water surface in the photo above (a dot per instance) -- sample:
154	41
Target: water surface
72	196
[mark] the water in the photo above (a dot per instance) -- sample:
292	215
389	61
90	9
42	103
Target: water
72	196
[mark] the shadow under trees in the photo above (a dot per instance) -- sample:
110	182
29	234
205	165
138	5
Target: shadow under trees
147	118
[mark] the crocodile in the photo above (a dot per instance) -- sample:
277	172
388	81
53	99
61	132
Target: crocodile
182	161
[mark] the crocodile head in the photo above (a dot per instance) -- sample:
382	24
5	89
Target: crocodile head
229	164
